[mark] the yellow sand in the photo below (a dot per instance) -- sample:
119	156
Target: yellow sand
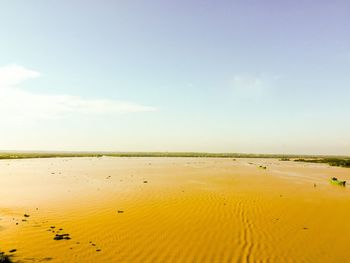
189	210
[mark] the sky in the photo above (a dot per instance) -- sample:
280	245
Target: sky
245	76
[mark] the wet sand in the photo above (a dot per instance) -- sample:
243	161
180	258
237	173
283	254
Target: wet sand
173	210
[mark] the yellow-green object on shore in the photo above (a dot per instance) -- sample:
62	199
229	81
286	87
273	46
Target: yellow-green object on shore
335	181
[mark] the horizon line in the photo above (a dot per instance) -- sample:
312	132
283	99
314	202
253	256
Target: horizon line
71	153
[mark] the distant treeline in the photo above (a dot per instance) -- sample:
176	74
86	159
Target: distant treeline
331	161
45	155
26	155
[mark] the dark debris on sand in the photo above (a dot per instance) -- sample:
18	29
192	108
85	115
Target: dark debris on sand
62	237
5	258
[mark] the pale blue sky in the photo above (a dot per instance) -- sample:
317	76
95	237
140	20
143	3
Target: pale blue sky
218	76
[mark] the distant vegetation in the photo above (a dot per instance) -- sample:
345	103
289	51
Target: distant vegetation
341	162
284	159
335	161
22	155
26	155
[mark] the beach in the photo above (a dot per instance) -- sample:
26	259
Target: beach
122	209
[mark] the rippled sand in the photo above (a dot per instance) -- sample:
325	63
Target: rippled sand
173	210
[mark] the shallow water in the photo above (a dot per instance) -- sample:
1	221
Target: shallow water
173	210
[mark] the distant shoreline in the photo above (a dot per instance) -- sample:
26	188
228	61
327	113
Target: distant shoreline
57	154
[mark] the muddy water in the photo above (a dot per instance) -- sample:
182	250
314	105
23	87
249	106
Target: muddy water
173	210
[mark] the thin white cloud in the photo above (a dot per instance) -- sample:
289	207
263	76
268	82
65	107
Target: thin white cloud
19	103
248	86
13	74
